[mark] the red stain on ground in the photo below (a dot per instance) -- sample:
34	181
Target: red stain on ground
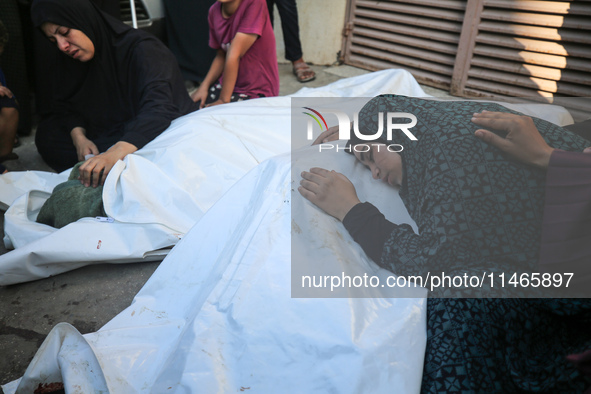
49	388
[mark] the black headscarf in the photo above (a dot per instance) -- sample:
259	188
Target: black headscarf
107	95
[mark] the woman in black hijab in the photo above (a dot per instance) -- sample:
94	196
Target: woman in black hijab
116	90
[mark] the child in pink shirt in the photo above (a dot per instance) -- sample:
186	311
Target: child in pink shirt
246	60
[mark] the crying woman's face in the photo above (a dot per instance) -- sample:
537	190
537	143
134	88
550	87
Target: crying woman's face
72	42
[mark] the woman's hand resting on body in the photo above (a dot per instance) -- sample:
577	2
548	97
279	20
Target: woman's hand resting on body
329	190
90	171
332	134
83	145
523	141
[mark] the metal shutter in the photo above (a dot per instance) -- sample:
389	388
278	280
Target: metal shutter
477	48
526	48
421	37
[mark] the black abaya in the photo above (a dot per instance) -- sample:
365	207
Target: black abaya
129	91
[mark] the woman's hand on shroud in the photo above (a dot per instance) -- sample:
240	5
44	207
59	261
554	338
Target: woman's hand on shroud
330	191
523	141
332	134
83	145
90	171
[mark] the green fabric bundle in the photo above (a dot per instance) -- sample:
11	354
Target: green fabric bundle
70	201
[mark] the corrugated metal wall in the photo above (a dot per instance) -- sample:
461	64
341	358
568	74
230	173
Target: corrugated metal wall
516	48
421	37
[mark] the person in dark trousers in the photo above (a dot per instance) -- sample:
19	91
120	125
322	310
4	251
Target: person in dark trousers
288	12
187	33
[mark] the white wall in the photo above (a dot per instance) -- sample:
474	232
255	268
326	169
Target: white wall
321	28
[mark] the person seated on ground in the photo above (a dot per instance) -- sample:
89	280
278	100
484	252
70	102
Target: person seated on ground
118	88
8	112
246	59
476	211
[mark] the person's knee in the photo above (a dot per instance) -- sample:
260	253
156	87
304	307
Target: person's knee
43	139
55	145
8	127
9	117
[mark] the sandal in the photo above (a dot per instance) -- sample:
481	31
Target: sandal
303	72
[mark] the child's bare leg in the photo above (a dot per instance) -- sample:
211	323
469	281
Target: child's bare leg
8	127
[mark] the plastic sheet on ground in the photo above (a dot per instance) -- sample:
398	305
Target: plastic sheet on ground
157	194
217	315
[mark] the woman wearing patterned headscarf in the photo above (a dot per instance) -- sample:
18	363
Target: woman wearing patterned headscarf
116	90
477	212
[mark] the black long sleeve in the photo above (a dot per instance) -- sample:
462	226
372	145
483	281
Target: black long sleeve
158	93
369	228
